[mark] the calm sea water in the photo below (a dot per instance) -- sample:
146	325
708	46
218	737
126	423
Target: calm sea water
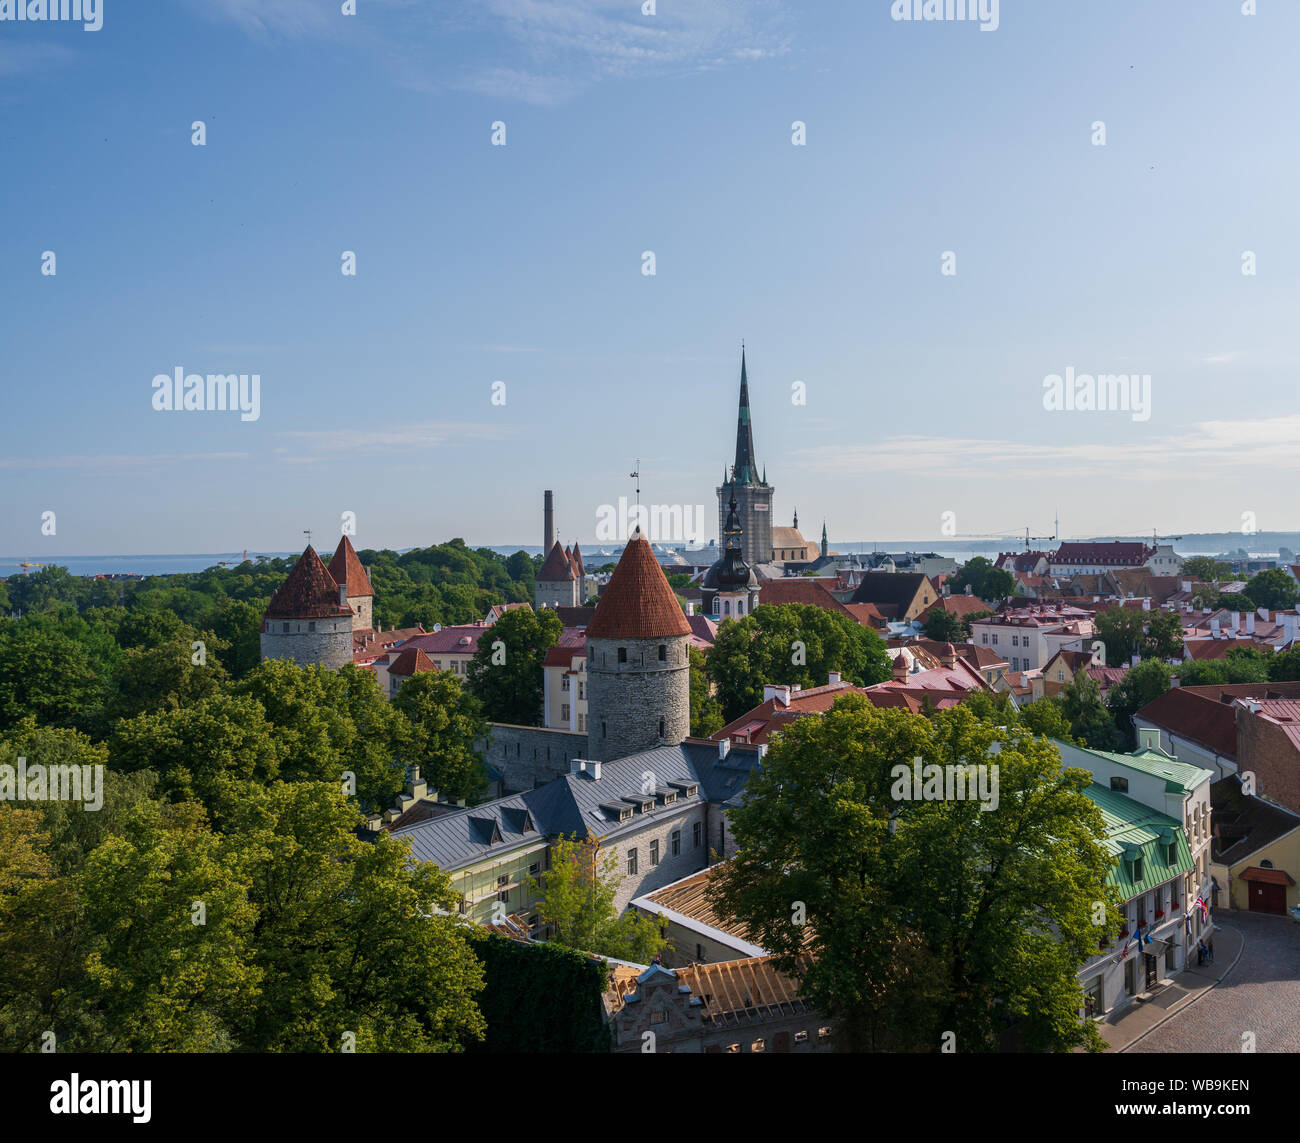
171	564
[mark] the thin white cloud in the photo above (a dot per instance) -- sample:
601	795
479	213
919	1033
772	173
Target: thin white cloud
540	52
426	435
120	460
1223	448
32	57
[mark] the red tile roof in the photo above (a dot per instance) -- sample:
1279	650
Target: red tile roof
462	640
345	568
1118	554
309	592
579	567
1202	649
560	656
557	567
638	602
410	660
798	589
960	605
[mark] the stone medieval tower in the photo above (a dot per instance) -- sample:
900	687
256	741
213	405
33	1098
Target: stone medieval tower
345	569
309	620
638	670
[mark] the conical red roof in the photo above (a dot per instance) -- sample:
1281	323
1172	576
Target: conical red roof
638	602
557	566
579	568
309	593
345	568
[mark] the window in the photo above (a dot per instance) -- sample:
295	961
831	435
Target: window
699	953
564	712
284	628
995	640
984	638
311	626
534	869
661	728
1137	876
1060	675
1015	640
801	1037
697	835
759	1045
582	690
654	853
582	723
503	894
622	654
564	683
658	1017
631	862
675	842
602	728
1266	865
823	1033
1119	785
663	653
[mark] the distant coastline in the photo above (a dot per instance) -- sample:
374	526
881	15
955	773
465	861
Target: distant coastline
1261	545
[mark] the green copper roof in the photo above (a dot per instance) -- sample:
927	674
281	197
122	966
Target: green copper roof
746	468
1134	830
1179	777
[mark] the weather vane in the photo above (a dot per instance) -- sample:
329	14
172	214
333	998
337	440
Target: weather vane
637	475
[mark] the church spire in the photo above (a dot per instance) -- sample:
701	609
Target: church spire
746	469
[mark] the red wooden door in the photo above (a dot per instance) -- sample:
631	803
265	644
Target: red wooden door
1265	898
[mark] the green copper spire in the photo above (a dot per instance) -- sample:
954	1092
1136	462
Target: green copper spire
746	470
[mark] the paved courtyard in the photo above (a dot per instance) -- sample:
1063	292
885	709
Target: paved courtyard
1261	994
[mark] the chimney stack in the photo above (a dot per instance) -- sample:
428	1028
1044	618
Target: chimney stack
548	522
832	678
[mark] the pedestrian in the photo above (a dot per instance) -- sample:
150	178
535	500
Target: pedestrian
1209	949
1200	953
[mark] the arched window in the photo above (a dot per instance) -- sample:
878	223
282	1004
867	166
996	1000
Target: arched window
740	607
1262	864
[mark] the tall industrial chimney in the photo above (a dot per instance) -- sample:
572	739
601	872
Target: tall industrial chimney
548	522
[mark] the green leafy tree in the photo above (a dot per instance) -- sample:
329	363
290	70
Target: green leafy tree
1285	666
48	676
1047	718
445	723
1274	589
984	580
165	676
1090	721
706	711
351	936
1239	665
787	644
908	919
1164	636
577	900
505	674
1121	629
945	626
205	752
1139	686
1205	568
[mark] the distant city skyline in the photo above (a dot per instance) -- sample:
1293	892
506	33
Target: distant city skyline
804	176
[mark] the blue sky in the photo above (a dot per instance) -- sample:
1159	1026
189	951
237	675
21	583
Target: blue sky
522	264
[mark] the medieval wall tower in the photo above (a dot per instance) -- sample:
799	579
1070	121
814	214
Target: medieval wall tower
638	670
345	570
309	620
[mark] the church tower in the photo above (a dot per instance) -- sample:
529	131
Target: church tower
730	587
752	493
826	547
638	669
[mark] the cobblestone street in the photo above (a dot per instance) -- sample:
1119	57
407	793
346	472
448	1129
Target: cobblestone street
1261	994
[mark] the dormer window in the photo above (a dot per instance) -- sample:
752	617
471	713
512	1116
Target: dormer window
1137	869
1119	785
